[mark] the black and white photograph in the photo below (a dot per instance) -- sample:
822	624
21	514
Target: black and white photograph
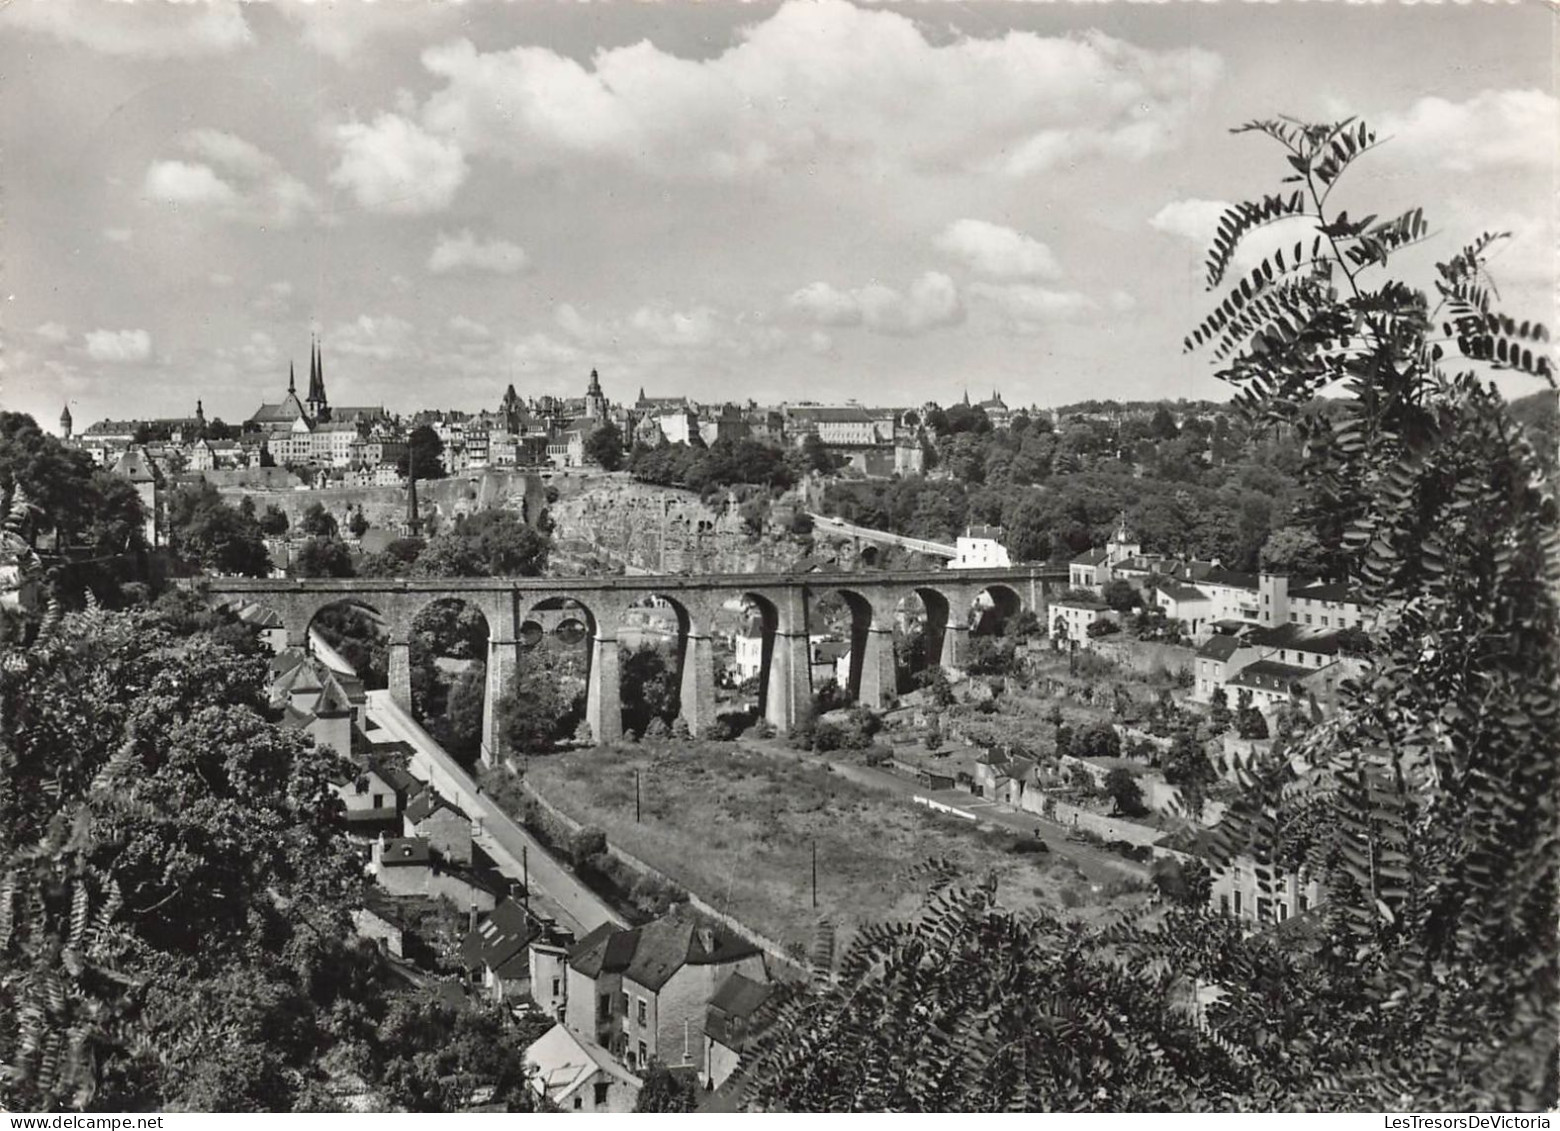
792	556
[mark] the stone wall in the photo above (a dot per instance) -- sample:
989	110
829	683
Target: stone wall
385	507
642	527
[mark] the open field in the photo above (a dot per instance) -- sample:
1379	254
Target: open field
737	827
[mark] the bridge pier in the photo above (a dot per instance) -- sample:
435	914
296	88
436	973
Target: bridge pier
603	706
788	698
399	674
955	646
698	683
879	681
502	660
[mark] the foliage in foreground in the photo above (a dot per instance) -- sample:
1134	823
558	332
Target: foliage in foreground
1428	978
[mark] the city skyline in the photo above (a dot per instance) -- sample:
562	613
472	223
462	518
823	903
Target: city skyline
805	201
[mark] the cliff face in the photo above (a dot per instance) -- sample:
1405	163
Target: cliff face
385	507
638	526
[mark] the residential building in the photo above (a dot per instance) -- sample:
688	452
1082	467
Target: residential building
445	827
1185	603
644	992
980	547
1092	570
575	1073
1219	658
1263	893
497	952
728	1025
1071	618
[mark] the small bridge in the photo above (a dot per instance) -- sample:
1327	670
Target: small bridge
825	526
516	609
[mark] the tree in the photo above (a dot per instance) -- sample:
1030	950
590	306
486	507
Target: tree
665	1090
1162	426
1122	596
273	523
424	454
66	495
649	689
460	729
322	557
317	522
604	447
204	529
1126	796
545	705
489	543
358	523
1296	551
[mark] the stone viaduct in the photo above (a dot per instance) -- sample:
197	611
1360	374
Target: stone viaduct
516	609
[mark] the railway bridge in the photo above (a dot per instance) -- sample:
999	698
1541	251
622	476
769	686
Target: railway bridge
519	610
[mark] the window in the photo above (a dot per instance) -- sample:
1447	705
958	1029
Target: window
379	801
1283	656
557	987
1325	621
644	1053
1283	912
643	1011
1307	618
1294	618
601	1093
1305	904
1237	903
1224	905
579	1102
604	1007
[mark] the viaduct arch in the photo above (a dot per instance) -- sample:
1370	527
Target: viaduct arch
607	604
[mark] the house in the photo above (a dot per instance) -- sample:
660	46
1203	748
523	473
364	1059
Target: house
1327	606
1003	778
1219	658
1092	570
728	1025
375	795
980	547
496	950
1185	603
1072	616
408	866
373	921
268	625
445	827
748	652
643	992
827	656
577	1074
1271	683
1263	893
1234	596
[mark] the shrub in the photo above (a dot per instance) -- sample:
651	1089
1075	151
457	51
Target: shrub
658	729
1028	846
586	843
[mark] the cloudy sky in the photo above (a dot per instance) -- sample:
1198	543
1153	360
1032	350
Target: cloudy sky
806	200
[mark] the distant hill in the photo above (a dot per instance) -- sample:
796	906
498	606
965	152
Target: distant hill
1539	413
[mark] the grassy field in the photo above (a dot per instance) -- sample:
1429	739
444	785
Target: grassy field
737	827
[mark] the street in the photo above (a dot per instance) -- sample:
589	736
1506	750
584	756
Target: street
554	890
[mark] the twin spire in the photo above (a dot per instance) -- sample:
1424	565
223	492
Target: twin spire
319	407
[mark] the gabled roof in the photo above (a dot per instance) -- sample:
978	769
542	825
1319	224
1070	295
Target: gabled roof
499	938
565	1061
589	955
1178	592
677	940
1334	591
1230	579
405	851
1269	675
1091	557
1301	638
284	411
134	466
1219	647
427	803
734	1003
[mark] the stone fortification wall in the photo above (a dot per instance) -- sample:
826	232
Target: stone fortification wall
385	507
642	527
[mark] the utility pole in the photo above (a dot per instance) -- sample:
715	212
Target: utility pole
636	797
815	875
525	872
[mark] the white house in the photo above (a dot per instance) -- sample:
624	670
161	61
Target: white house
980	547
577	1074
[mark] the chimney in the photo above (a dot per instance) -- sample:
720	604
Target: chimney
471	917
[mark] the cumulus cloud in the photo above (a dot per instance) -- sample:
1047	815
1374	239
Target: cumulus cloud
544	353
234	178
694	328
156	31
118	345
464	252
932	301
186	183
822	77
52	332
382	338
1027	308
342	31
397	167
998	252
1193	220
1493	129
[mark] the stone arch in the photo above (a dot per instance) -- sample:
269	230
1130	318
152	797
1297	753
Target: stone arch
603	709
656	613
352	630
870	678
940	637
458	640
993	607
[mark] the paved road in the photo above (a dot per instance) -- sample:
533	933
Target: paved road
554	889
1097	865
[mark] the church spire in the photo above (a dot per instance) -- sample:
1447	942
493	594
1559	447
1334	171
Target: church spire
319	408
292	380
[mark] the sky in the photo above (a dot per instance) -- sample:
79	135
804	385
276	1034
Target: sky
810	200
